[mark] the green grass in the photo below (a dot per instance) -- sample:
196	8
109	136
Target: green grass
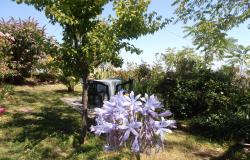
38	125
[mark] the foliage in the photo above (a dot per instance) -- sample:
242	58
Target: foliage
45	77
146	77
104	71
189	89
90	41
239	55
70	82
224	125
208	37
64	73
217	101
227	14
5	42
242	101
142	76
212	20
47	69
29	44
142	72
174	59
135	117
196	93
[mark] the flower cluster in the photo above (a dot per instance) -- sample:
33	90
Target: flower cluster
134	120
2	110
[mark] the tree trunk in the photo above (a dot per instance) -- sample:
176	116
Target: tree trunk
71	89
84	109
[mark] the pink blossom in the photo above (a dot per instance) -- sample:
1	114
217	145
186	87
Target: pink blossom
2	110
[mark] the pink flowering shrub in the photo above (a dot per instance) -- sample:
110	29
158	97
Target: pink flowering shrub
133	120
2	110
25	44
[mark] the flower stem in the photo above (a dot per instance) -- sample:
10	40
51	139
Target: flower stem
138	157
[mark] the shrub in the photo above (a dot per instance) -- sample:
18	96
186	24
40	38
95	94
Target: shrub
222	126
5	68
146	77
46	78
197	92
70	82
29	45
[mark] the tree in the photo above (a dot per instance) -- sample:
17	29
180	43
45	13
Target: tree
240	55
174	59
90	40
29	44
208	38
212	20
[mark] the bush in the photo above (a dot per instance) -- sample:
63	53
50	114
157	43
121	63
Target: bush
70	82
222	126
146	77
29	44
46	78
198	92
5	68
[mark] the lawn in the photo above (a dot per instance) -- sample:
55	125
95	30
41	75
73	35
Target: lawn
38	125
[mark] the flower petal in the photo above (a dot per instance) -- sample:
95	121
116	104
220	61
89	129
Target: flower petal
135	146
126	135
165	114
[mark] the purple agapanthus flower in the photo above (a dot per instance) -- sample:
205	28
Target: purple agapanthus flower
162	127
104	127
133	103
151	103
133	120
130	128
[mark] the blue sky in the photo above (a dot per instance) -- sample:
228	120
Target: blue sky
170	36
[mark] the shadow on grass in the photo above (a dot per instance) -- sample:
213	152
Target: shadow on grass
59	123
65	91
220	135
47	98
50	121
234	152
51	128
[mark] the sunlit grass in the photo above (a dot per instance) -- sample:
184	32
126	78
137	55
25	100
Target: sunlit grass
38	125
180	145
